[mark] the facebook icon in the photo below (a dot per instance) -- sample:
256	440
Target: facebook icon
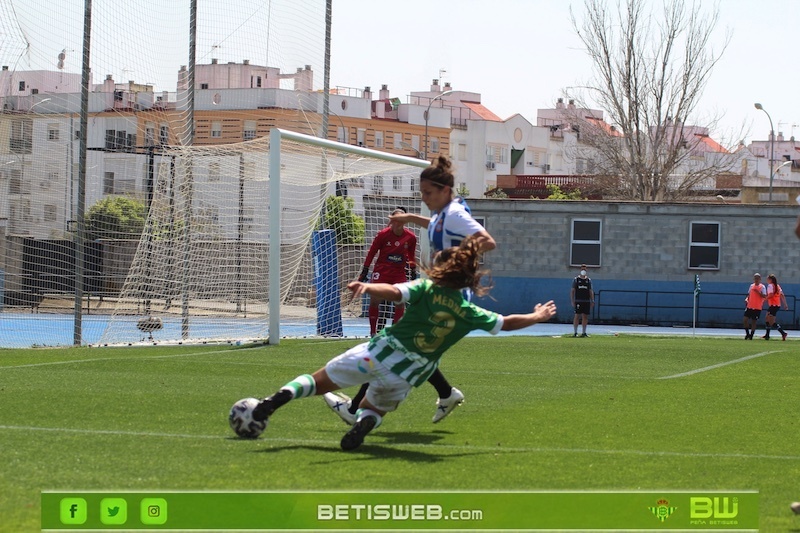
73	511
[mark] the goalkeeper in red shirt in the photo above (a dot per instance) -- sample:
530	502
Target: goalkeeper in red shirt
395	248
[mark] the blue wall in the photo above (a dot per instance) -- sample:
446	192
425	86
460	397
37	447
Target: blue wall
650	302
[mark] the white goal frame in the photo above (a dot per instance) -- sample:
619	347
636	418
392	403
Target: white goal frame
276	135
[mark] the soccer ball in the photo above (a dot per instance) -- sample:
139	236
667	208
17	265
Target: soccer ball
241	419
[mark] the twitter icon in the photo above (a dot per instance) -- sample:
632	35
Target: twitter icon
113	511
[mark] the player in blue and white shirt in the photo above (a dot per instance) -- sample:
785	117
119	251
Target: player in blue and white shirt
451	222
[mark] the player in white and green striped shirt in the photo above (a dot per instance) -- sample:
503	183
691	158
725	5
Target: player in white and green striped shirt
405	354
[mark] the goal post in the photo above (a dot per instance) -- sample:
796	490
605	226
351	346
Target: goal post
276	136
226	253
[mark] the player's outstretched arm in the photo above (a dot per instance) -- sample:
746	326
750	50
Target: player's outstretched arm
541	313
384	291
410	218
486	242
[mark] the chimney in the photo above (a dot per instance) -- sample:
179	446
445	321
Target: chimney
780	136
5	67
435	86
384	93
367	93
447	86
571	104
560	103
214	60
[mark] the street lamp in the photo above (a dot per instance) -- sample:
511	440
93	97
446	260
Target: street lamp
341	184
344	128
407	146
771	149
34	104
427	111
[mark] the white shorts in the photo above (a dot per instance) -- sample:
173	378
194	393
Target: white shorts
356	366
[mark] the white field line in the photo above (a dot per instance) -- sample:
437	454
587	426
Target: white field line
496	449
138	358
712	367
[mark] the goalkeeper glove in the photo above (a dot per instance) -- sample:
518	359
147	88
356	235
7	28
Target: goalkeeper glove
364	276
411	273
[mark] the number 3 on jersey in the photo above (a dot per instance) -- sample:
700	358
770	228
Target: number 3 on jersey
442	324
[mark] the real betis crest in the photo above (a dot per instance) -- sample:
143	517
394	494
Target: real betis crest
662	510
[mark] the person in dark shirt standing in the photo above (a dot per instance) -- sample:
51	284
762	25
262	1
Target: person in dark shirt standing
582	298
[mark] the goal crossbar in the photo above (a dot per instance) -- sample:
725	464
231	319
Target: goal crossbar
276	135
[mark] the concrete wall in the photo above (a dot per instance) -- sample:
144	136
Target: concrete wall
644	275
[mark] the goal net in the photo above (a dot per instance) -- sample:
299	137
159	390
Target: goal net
258	240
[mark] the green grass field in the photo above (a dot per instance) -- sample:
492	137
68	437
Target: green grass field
540	414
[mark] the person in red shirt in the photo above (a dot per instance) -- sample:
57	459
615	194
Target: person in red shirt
395	248
775	298
754	302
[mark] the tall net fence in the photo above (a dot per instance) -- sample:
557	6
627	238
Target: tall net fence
201	270
176	189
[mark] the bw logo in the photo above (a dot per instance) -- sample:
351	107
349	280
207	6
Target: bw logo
662	510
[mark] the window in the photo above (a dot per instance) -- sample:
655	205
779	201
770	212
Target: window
482	222
21	136
121	140
341	134
213	171
361	134
397	183
378	139
163	135
125	186
249	130
434	145
496	153
53	132
216	130
398	138
22	86
203	86
462	152
15	182
585	242
111	139
108	183
704	245
50	213
149	134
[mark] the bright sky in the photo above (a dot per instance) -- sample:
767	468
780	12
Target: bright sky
521	54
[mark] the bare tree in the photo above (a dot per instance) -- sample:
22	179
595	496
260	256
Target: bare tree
649	72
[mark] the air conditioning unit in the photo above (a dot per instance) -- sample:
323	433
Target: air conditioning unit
490	165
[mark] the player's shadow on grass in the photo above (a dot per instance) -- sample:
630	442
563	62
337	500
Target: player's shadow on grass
387	449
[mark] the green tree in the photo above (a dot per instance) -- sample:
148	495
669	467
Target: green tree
340	217
497	193
116	217
557	194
